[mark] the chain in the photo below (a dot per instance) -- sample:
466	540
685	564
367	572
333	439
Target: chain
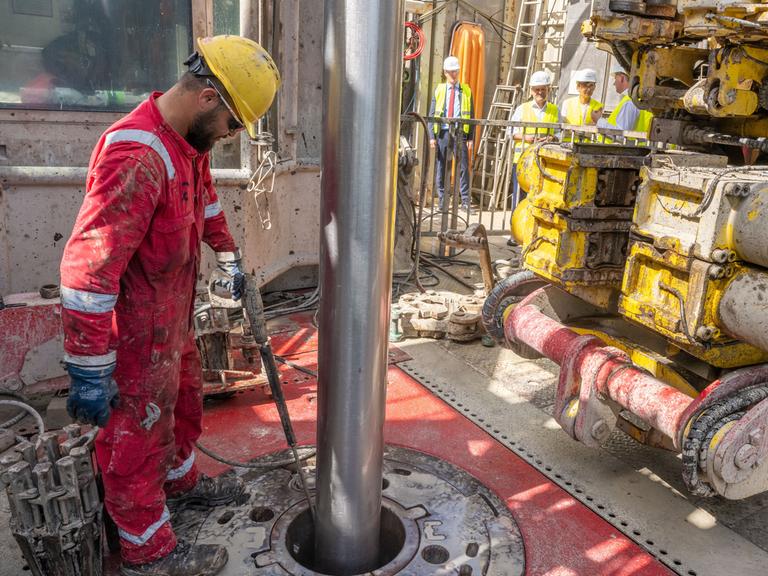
261	185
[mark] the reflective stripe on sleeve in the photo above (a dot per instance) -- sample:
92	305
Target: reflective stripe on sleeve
92	361
146	138
148	533
212	210
228	256
84	301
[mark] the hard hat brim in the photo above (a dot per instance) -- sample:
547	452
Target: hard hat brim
252	129
250	96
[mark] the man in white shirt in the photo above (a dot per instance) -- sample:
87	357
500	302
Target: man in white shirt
536	110
452	99
626	115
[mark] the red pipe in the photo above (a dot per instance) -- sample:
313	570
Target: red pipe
655	402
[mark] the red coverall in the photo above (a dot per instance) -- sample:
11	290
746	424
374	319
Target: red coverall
128	280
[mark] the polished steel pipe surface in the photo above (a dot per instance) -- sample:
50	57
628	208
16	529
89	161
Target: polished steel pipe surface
361	117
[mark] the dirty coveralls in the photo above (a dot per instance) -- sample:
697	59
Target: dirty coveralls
128	280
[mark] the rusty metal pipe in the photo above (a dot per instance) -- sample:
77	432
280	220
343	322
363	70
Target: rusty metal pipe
656	403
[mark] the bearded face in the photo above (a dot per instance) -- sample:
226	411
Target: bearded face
202	133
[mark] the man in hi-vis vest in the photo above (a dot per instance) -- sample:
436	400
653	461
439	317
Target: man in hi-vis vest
536	110
451	99
626	116
582	110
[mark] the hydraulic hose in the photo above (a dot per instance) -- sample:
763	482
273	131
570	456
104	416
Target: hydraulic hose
24	406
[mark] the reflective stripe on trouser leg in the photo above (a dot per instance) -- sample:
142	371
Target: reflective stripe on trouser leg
134	462
144	537
182	470
188	417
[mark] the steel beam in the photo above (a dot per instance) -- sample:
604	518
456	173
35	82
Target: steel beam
361	103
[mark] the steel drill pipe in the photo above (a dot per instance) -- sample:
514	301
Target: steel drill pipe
361	100
656	403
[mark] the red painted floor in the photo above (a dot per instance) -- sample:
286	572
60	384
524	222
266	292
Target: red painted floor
562	537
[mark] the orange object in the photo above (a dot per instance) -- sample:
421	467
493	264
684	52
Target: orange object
468	45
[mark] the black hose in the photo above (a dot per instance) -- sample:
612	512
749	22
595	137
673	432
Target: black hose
18	417
26	407
416	246
444	270
504	294
295	366
252	465
705	425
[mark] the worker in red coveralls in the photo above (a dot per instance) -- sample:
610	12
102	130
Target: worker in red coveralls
128	280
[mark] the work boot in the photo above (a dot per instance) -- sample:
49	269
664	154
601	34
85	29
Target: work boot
184	560
209	492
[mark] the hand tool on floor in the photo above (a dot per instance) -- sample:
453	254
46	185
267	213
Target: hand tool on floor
254	310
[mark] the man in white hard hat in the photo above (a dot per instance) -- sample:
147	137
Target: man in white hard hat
451	99
626	116
536	110
583	110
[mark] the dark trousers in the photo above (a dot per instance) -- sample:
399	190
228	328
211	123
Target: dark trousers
442	153
513	193
514	187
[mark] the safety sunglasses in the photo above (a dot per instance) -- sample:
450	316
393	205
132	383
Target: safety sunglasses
233	123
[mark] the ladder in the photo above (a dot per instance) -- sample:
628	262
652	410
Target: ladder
525	43
537	44
540	24
549	54
488	169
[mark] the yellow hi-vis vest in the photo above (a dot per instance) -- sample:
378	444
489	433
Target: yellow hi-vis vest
551	116
574	113
441	107
642	124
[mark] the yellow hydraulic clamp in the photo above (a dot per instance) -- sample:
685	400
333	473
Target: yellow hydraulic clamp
698	252
581	198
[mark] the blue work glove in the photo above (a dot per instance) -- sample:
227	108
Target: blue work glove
92	393
231	264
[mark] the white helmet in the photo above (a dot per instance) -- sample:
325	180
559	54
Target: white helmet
617	68
451	64
586	75
540	78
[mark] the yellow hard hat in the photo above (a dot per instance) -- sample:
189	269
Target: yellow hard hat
246	71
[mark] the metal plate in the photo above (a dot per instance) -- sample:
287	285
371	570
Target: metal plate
452	523
643	506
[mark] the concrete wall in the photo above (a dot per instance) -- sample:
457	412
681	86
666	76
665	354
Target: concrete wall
44	155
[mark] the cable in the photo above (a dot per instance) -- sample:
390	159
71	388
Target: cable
416	244
709	194
34	413
295	366
20	416
415	29
308	304
429	262
252	465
